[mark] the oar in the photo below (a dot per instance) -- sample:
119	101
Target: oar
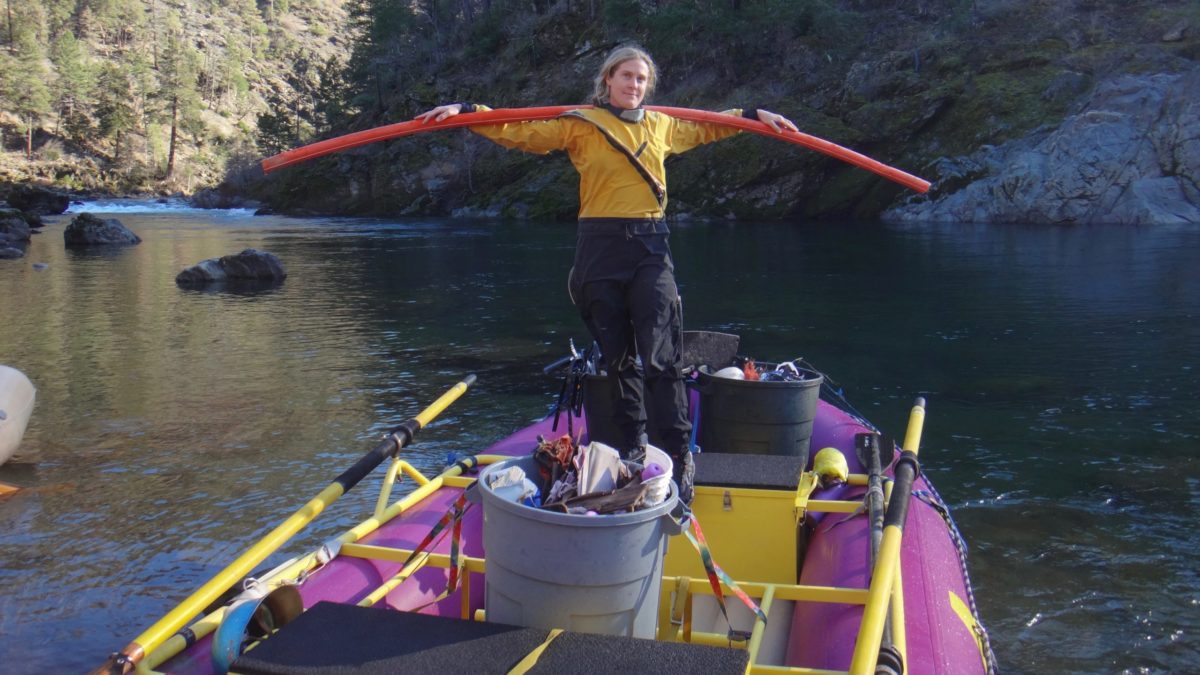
127	659
867	652
870	446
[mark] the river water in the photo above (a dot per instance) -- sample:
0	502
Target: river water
174	427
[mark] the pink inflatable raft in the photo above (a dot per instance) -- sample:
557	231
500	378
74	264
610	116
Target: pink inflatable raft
784	565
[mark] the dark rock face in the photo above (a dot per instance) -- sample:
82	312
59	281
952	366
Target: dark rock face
89	230
249	265
1130	156
215	198
38	200
14	227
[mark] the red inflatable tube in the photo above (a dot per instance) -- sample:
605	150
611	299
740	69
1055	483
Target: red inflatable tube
505	115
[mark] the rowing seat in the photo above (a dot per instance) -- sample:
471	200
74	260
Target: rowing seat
756	472
335	638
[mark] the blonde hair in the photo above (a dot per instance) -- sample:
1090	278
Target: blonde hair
616	58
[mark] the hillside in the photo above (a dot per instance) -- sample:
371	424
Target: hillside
910	83
928	86
157	96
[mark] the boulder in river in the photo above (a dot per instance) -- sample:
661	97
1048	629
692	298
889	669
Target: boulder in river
14	227
39	200
89	230
249	265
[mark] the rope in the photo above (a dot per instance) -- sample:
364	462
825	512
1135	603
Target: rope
836	391
714	572
934	500
457	564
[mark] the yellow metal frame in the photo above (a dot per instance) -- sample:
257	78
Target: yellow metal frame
451	478
881	600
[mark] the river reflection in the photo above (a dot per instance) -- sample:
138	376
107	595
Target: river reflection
175	426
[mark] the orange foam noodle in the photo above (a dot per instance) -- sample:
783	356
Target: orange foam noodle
401	129
507	115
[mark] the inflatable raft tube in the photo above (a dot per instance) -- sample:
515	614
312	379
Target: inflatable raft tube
16	403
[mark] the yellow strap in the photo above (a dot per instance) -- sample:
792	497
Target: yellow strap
532	657
960	608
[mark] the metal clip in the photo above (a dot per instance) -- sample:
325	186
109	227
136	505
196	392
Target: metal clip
728	501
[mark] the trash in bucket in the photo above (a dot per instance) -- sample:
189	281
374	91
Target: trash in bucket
515	486
770	415
587	479
550	569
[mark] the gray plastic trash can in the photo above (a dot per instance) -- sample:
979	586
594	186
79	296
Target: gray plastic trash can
592	574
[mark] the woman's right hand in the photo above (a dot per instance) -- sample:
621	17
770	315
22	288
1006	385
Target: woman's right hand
440	113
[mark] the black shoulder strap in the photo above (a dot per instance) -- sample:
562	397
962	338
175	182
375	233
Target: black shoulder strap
659	190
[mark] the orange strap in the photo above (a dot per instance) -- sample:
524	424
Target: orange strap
506	115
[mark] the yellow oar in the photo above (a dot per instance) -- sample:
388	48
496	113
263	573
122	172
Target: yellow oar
887	564
127	659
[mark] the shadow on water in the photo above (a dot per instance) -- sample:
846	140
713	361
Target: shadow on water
239	287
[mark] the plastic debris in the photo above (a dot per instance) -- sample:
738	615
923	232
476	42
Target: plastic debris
785	372
591	480
600	468
656	476
748	370
512	484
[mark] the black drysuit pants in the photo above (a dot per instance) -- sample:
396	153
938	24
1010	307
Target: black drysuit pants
624	285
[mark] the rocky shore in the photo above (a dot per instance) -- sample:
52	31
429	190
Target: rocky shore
1130	155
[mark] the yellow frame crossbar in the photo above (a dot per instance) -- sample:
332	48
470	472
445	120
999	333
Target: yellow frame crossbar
882	600
451	478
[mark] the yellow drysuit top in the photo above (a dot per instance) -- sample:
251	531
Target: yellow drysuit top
609	185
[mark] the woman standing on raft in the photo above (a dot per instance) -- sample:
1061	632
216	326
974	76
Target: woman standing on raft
623	280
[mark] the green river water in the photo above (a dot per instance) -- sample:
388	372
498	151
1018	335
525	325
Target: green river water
174	427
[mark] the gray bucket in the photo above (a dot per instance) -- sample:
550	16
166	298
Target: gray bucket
758	418
591	574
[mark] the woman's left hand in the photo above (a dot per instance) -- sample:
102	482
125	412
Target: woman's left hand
777	122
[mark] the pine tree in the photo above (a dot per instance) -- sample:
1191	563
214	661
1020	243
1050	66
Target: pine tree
28	92
178	99
275	127
76	81
386	28
114	109
333	93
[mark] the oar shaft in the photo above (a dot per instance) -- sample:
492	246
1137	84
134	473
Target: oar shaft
887	565
162	630
916	426
237	570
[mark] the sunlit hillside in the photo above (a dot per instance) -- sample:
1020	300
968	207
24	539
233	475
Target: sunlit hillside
158	95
